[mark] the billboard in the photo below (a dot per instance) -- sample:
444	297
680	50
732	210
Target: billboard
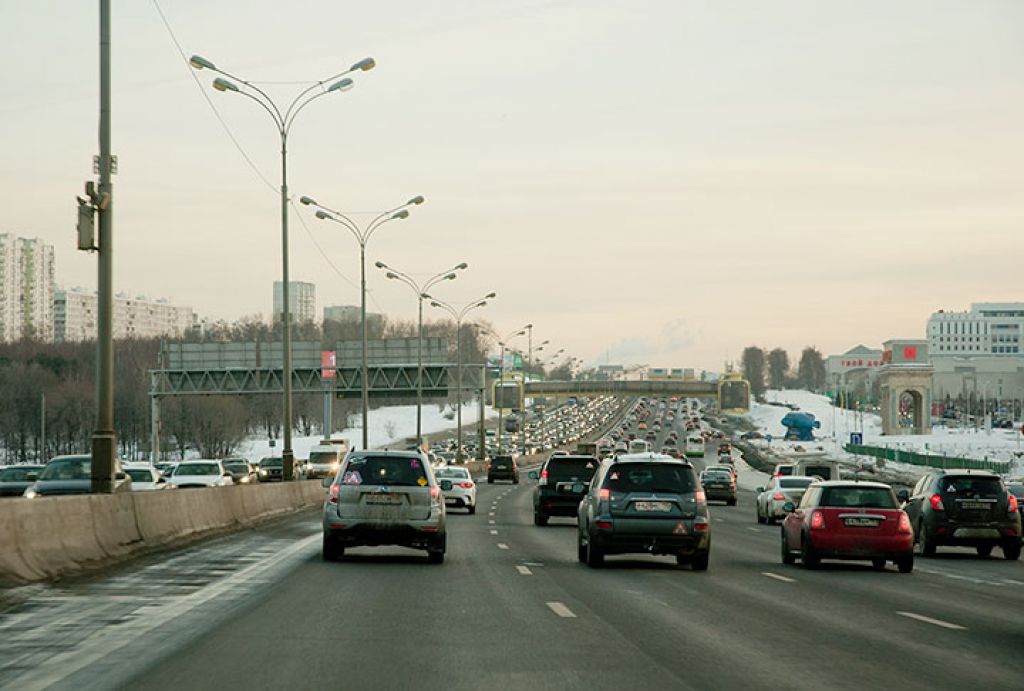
508	395
513	362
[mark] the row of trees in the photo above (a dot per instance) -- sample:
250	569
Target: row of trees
51	387
766	369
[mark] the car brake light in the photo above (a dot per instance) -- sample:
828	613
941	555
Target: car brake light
700	496
1011	504
543	477
700	524
604	525
936	501
605	494
333	499
489	466
435	492
779	496
817	520
466	485
904	526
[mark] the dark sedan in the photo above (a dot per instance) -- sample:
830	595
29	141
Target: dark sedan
73	475
15	479
719	485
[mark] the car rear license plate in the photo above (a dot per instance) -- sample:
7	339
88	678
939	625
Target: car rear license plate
861	522
652	506
383	499
717	485
973	505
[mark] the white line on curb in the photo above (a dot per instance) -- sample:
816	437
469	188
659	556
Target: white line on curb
784	579
524	571
929	620
561	610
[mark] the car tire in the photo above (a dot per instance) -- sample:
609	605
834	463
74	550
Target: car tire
787	554
878	564
925	546
471	509
1011	551
595	555
435	553
808	557
731	502
332	551
683	559
490	481
905	564
539	519
760	518
581	549
984	550
700	560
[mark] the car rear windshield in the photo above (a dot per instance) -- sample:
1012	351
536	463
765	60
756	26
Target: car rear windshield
502	462
649	477
236	467
197	469
717	475
271	463
323	457
68	469
399	471
794	483
459	473
858	497
972	486
784	470
139	475
567	466
16	474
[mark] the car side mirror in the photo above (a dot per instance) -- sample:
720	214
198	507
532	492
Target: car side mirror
533	475
160	480
903	495
760	489
120	475
32	477
789	507
446	485
326	482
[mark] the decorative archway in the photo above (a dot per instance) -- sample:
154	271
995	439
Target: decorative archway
906	398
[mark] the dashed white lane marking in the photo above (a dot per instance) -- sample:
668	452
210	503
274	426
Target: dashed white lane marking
490	522
756	530
494	532
934	622
524	571
491	513
502	545
561	610
719	520
533	563
784	579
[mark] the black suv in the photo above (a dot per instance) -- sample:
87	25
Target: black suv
645	503
503	468
964	508
563	481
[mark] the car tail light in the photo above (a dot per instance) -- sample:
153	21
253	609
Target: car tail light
817	520
936	502
466	485
489	466
779	496
700	496
700	524
1011	504
605	494
435	493
543	477
732	485
604	525
333	499
904	526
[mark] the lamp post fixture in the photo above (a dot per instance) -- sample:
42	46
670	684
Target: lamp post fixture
501	372
526	374
420	290
362	236
283	121
459	315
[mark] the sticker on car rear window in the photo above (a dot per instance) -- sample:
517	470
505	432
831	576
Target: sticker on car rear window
415	463
352	477
422	481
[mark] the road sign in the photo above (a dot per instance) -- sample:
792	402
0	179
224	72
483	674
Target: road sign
856	439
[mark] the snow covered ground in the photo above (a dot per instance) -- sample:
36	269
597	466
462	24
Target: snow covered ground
837	424
387	426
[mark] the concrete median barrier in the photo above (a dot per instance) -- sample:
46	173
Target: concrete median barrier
49	537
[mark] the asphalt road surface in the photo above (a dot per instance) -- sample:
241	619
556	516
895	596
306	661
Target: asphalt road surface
511	608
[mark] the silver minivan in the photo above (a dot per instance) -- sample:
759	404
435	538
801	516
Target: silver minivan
385	498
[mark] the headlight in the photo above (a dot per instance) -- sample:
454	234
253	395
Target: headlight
262	471
30	493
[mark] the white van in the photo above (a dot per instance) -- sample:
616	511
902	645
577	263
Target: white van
817	467
639	446
325	458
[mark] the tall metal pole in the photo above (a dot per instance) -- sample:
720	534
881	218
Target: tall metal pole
42	428
458	386
419	378
500	404
154	428
103	439
287	457
481	452
526	372
365	377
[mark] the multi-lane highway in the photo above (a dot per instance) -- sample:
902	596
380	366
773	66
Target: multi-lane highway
512	607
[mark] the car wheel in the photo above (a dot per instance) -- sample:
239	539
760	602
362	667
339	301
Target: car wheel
595	555
682	559
1011	551
808	557
490	481
540	519
581	549
731	502
984	550
760	518
878	564
435	553
700	560
472	509
332	551
905	564
925	547
787	555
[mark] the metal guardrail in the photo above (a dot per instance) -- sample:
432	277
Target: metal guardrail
929	460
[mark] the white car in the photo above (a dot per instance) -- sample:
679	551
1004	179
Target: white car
463	491
778	491
145	478
201	473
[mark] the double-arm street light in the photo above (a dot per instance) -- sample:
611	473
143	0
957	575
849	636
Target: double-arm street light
362	236
420	290
522	331
283	121
526	374
459	315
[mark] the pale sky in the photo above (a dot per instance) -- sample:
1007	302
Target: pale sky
661	182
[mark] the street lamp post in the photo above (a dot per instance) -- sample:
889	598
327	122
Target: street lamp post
526	374
395	274
283	120
501	373
362	236
459	315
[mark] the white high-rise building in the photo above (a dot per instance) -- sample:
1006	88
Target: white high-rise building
989	328
138	317
301	301
26	288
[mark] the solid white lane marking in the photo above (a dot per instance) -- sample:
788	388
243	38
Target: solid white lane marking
1013	582
494	532
720	520
934	622
784	579
502	545
524	571
756	530
561	610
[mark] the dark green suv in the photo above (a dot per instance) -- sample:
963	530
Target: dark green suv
963	508
503	468
562	483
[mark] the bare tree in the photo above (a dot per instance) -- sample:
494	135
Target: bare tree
752	363
778	368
